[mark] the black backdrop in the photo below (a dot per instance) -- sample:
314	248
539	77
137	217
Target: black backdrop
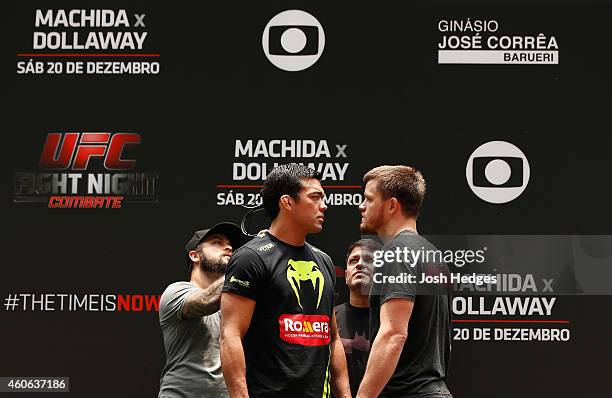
376	88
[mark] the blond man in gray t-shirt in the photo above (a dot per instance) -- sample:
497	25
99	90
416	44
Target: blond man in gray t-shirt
189	317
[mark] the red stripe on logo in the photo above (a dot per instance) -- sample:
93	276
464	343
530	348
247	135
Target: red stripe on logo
95	138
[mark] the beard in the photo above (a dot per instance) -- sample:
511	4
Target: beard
218	265
371	223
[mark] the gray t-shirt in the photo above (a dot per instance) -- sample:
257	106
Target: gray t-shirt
193	362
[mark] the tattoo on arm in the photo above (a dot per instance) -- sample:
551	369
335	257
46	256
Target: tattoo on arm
204	301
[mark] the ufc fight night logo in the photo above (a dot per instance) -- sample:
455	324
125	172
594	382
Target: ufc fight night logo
76	149
99	152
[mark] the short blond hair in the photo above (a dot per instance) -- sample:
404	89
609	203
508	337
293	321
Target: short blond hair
404	183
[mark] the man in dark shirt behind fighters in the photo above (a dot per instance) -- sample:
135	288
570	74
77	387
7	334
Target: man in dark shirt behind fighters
353	316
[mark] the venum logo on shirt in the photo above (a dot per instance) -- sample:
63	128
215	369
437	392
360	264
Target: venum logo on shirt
303	271
302	329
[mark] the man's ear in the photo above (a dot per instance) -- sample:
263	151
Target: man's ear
393	205
286	202
193	256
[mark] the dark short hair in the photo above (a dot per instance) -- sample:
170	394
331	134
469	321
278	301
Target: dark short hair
285	179
404	183
369	244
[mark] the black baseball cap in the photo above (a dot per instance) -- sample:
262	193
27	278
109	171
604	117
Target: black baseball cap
231	230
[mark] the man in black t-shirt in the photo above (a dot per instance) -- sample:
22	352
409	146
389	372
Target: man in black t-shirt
353	316
409	321
278	331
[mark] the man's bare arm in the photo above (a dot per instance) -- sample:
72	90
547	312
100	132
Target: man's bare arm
203	302
387	347
339	373
236	314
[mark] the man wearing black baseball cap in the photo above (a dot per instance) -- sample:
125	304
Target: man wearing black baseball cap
189	316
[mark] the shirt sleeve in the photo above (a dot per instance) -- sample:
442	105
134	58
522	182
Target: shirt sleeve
330	266
328	262
172	301
331	269
245	274
398	270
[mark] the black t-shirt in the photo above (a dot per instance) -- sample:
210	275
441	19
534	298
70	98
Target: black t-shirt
353	326
286	347
423	363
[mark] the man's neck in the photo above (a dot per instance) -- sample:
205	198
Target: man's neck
395	226
356	299
285	231
203	278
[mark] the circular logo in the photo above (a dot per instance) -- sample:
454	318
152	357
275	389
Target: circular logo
293	40
497	172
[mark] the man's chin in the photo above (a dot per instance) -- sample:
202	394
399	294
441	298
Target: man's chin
219	267
316	229
366	281
366	229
